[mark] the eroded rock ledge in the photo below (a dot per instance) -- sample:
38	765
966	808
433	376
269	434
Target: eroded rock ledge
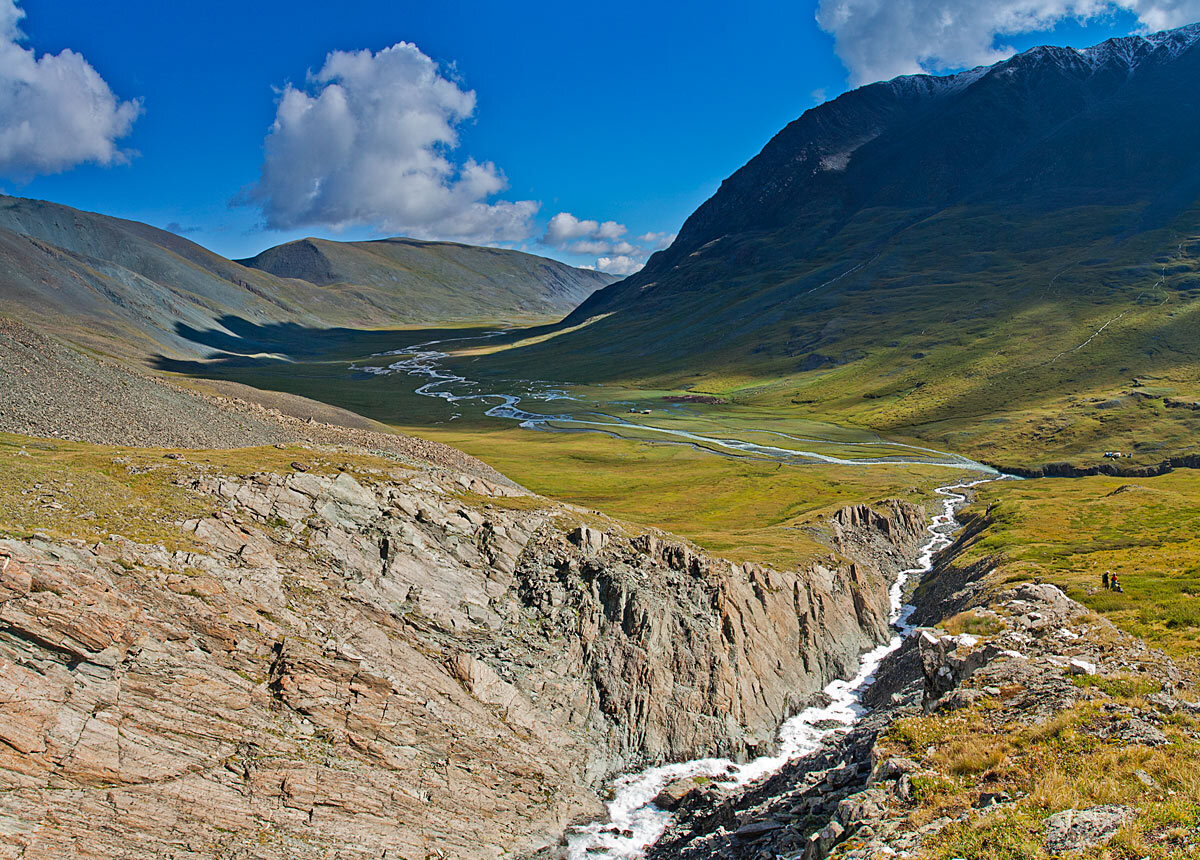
400	666
1040	664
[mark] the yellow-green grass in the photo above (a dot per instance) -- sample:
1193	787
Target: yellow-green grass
1051	345
73	490
738	508
742	509
1046	767
1069	531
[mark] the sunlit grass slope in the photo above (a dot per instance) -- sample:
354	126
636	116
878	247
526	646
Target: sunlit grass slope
1069	531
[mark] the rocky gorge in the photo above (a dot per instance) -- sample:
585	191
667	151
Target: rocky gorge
1003	738
362	657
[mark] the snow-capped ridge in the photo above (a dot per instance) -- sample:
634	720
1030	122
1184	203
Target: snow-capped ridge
935	85
1127	51
1132	50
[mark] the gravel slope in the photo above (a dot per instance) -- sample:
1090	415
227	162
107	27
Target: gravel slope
48	389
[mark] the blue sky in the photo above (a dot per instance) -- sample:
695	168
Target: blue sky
623	112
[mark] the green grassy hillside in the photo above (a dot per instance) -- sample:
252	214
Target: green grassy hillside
1005	263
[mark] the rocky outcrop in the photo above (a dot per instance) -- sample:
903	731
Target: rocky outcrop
403	665
662	630
856	798
1080	829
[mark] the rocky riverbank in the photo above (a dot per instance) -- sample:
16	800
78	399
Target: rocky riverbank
1016	720
391	662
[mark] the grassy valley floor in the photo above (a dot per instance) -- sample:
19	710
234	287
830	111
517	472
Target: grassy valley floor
742	507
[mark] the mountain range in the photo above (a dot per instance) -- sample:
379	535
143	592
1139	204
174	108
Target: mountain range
132	290
1016	247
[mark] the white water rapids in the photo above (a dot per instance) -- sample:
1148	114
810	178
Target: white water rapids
634	822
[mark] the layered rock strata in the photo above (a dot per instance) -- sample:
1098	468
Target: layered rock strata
411	665
857	800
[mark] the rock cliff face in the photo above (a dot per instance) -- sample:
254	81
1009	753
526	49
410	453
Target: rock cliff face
958	731
411	664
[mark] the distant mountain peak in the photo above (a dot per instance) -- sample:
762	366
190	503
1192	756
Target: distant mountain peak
863	194
1123	51
1131	51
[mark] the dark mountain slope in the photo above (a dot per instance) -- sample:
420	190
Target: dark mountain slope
928	251
437	280
1117	124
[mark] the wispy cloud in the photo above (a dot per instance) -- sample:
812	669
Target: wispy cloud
180	229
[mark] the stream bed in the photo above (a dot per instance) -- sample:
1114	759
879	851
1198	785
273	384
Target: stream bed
634	822
424	360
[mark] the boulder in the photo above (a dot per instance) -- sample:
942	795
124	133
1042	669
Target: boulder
822	842
754	829
674	793
1081	829
869	805
1137	731
894	768
589	539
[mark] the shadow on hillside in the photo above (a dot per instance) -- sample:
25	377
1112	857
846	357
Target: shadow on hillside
240	343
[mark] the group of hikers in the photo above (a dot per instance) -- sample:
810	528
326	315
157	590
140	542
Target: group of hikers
1110	581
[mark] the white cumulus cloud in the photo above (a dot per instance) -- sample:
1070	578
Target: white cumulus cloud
603	240
880	39
619	265
55	110
589	246
368	141
564	227
610	230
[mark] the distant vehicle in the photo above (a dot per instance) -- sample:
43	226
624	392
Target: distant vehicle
1115	455
645	411
636	411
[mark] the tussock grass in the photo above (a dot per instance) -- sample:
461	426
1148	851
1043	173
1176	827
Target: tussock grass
1058	764
972	623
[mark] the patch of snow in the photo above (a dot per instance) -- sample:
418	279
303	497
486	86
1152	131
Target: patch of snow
937	85
836	162
1131	51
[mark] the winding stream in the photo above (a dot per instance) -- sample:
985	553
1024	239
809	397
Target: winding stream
634	822
422	360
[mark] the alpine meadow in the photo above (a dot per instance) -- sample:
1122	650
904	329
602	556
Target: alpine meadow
421	452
